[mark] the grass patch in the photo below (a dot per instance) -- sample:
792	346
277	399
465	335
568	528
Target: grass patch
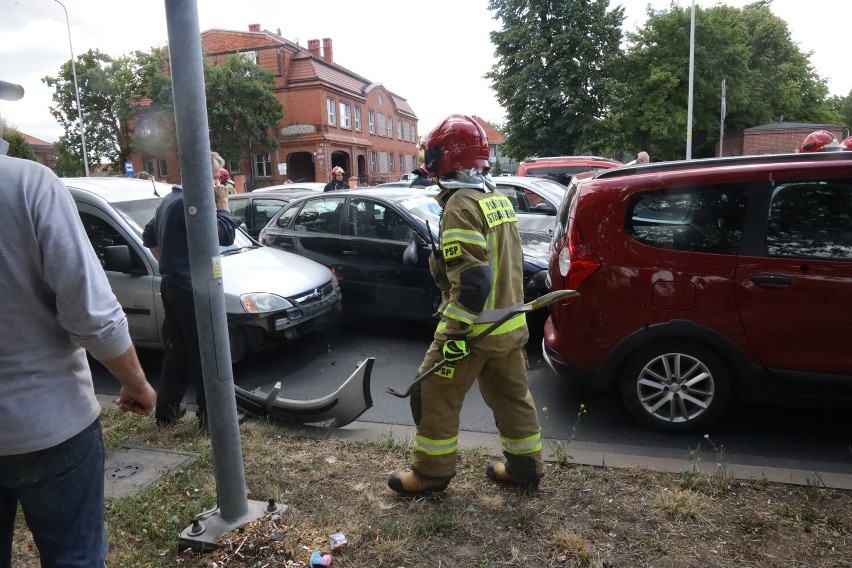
581	517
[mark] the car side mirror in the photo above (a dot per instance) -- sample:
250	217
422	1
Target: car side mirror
411	256
545	208
117	258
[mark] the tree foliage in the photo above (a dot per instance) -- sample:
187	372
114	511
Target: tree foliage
18	147
241	108
109	95
843	107
768	79
552	72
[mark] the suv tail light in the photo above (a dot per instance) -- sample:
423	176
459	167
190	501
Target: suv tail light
577	261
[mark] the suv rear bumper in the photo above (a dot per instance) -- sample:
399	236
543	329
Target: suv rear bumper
565	369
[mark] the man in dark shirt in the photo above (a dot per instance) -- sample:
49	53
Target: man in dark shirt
337	181
166	236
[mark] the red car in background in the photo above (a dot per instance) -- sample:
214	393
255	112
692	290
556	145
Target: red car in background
705	281
563	168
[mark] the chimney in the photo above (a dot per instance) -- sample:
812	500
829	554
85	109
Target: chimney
314	47
254	27
326	50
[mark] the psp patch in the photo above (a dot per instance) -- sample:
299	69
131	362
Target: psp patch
452	251
446	372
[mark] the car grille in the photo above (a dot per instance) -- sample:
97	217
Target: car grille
308	305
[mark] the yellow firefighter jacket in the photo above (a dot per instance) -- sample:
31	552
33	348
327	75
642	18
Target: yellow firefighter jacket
479	269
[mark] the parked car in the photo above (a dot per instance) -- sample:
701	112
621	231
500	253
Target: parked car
302	185
535	200
378	241
562	168
269	294
707	281
256	208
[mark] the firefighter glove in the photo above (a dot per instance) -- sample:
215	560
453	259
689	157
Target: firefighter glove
455	349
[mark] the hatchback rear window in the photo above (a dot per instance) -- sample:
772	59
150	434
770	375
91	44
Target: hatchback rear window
698	219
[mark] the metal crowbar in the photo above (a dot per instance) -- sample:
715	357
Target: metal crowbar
539	302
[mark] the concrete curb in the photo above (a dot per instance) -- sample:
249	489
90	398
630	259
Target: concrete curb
745	467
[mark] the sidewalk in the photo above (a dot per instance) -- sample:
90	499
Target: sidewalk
738	466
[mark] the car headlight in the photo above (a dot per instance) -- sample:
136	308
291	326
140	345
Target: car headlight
261	302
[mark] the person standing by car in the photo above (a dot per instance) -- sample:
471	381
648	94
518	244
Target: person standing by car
166	236
57	304
337	182
478	270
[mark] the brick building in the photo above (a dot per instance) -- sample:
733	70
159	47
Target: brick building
775	138
44	152
332	117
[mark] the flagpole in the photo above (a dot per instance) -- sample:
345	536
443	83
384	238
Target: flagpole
722	122
691	75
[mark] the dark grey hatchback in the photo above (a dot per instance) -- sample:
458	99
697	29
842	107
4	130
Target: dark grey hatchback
377	243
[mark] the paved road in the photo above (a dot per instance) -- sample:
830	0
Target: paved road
316	365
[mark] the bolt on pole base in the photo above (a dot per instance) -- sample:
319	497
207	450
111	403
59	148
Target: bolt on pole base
201	535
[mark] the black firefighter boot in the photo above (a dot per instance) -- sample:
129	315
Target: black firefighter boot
519	471
412	484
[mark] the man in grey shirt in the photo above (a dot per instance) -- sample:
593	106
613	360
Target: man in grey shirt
56	305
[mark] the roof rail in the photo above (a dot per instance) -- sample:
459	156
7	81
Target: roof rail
720	162
536	158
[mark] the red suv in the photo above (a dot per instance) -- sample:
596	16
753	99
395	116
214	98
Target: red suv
707	280
563	168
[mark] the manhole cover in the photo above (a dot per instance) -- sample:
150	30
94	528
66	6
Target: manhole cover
125	471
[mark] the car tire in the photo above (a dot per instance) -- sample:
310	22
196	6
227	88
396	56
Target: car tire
675	386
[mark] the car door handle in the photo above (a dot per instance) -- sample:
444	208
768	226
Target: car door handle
772	281
350	253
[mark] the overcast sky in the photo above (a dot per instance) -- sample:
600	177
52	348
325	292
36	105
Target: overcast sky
433	54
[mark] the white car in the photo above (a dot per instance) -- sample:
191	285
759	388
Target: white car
269	294
299	186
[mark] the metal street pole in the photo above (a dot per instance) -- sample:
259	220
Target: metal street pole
193	136
76	91
691	77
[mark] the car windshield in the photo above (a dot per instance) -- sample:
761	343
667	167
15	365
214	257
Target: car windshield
137	214
426	209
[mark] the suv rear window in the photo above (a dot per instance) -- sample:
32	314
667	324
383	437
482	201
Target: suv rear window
699	219
811	219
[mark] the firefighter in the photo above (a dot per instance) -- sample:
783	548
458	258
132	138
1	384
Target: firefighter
846	144
819	141
478	268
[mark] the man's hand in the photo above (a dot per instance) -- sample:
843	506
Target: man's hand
221	194
455	349
138	401
136	393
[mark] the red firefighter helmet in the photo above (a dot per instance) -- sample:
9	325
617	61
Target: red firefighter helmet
224	175
458	143
337	170
846	144
819	141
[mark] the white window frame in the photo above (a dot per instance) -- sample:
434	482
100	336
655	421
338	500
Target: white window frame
331	107
358	118
345	115
373	161
391	165
399	129
390	127
372	120
262	160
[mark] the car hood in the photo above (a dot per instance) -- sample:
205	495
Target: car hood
266	269
536	247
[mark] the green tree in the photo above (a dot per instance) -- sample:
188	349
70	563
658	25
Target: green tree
768	79
843	107
554	61
241	108
109	94
18	147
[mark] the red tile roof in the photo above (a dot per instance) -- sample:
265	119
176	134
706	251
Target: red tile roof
494	137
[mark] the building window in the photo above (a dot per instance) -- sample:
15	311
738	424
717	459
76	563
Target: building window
163	167
406	132
399	129
251	56
233	168
262	165
492	151
381	100
345	115
414	134
373	164
332	111
390	163
372	119
383	162
149	166
390	127
382	125
358	118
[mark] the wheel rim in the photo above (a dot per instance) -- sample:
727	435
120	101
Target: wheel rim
675	387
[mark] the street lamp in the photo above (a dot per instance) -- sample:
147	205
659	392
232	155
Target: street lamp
76	91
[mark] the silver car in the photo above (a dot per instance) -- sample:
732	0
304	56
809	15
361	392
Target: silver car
269	294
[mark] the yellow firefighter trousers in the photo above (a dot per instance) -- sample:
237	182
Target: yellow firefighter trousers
437	404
